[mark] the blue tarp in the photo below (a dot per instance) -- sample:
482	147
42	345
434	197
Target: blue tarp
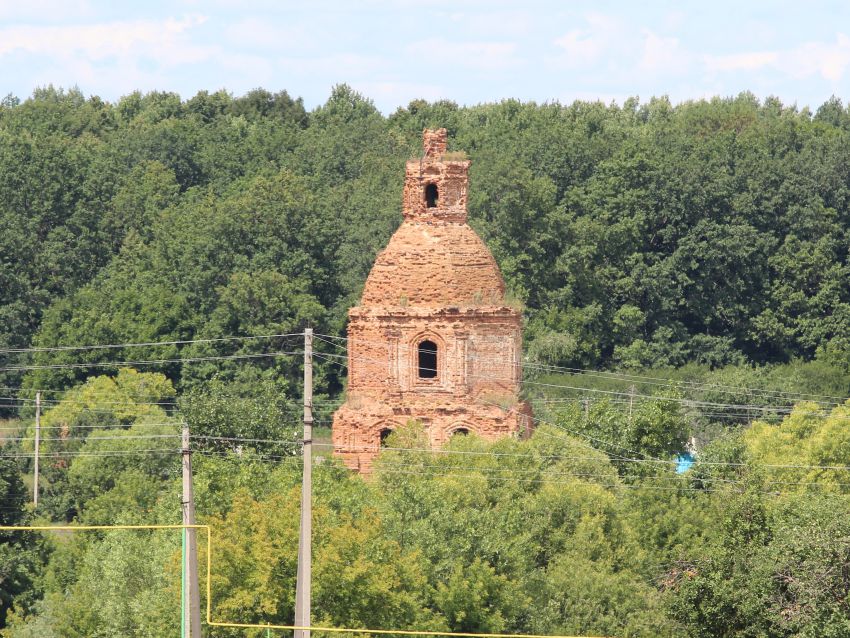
684	462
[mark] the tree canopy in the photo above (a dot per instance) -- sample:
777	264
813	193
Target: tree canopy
639	235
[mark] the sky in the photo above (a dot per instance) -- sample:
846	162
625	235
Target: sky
467	51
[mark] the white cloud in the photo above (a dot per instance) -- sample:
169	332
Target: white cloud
41	10
829	60
109	58
620	49
163	41
255	33
636	57
343	66
494	24
487	56
751	61
663	55
247	72
582	47
674	20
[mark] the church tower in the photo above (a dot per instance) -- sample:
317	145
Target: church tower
432	339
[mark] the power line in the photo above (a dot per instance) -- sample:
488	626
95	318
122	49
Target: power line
548	457
548	482
685	402
631	378
496	471
600	441
49	391
618	486
130	401
726	414
99	438
325	338
108	364
658	381
144	344
584	435
626	377
245	456
449	452
63	453
544	472
105	426
246	440
89	411
789	396
70	401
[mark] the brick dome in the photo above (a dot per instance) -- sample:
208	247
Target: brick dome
434	264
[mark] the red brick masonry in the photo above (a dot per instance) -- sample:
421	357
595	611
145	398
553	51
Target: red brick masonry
436	281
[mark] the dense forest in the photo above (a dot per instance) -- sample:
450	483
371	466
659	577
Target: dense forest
636	235
684	273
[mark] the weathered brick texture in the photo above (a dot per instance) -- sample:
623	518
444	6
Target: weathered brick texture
436	282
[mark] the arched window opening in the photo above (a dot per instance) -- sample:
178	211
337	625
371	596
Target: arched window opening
431	196
385	433
460	432
427	360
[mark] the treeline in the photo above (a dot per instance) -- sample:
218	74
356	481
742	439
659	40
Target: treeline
714	232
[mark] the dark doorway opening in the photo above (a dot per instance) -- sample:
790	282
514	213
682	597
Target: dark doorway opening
431	196
427	360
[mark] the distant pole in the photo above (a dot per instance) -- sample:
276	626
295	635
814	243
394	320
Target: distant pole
192	611
37	441
302	584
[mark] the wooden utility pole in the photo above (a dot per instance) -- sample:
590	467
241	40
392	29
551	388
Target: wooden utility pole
37	441
192	611
302	584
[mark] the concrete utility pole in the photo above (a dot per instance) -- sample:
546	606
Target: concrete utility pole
302	584
192	611
37	441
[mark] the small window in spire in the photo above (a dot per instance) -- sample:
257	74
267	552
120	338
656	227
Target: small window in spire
431	196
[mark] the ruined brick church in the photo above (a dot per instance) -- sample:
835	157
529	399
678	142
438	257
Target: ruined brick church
432	340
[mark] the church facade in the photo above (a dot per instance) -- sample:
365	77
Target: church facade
432	340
